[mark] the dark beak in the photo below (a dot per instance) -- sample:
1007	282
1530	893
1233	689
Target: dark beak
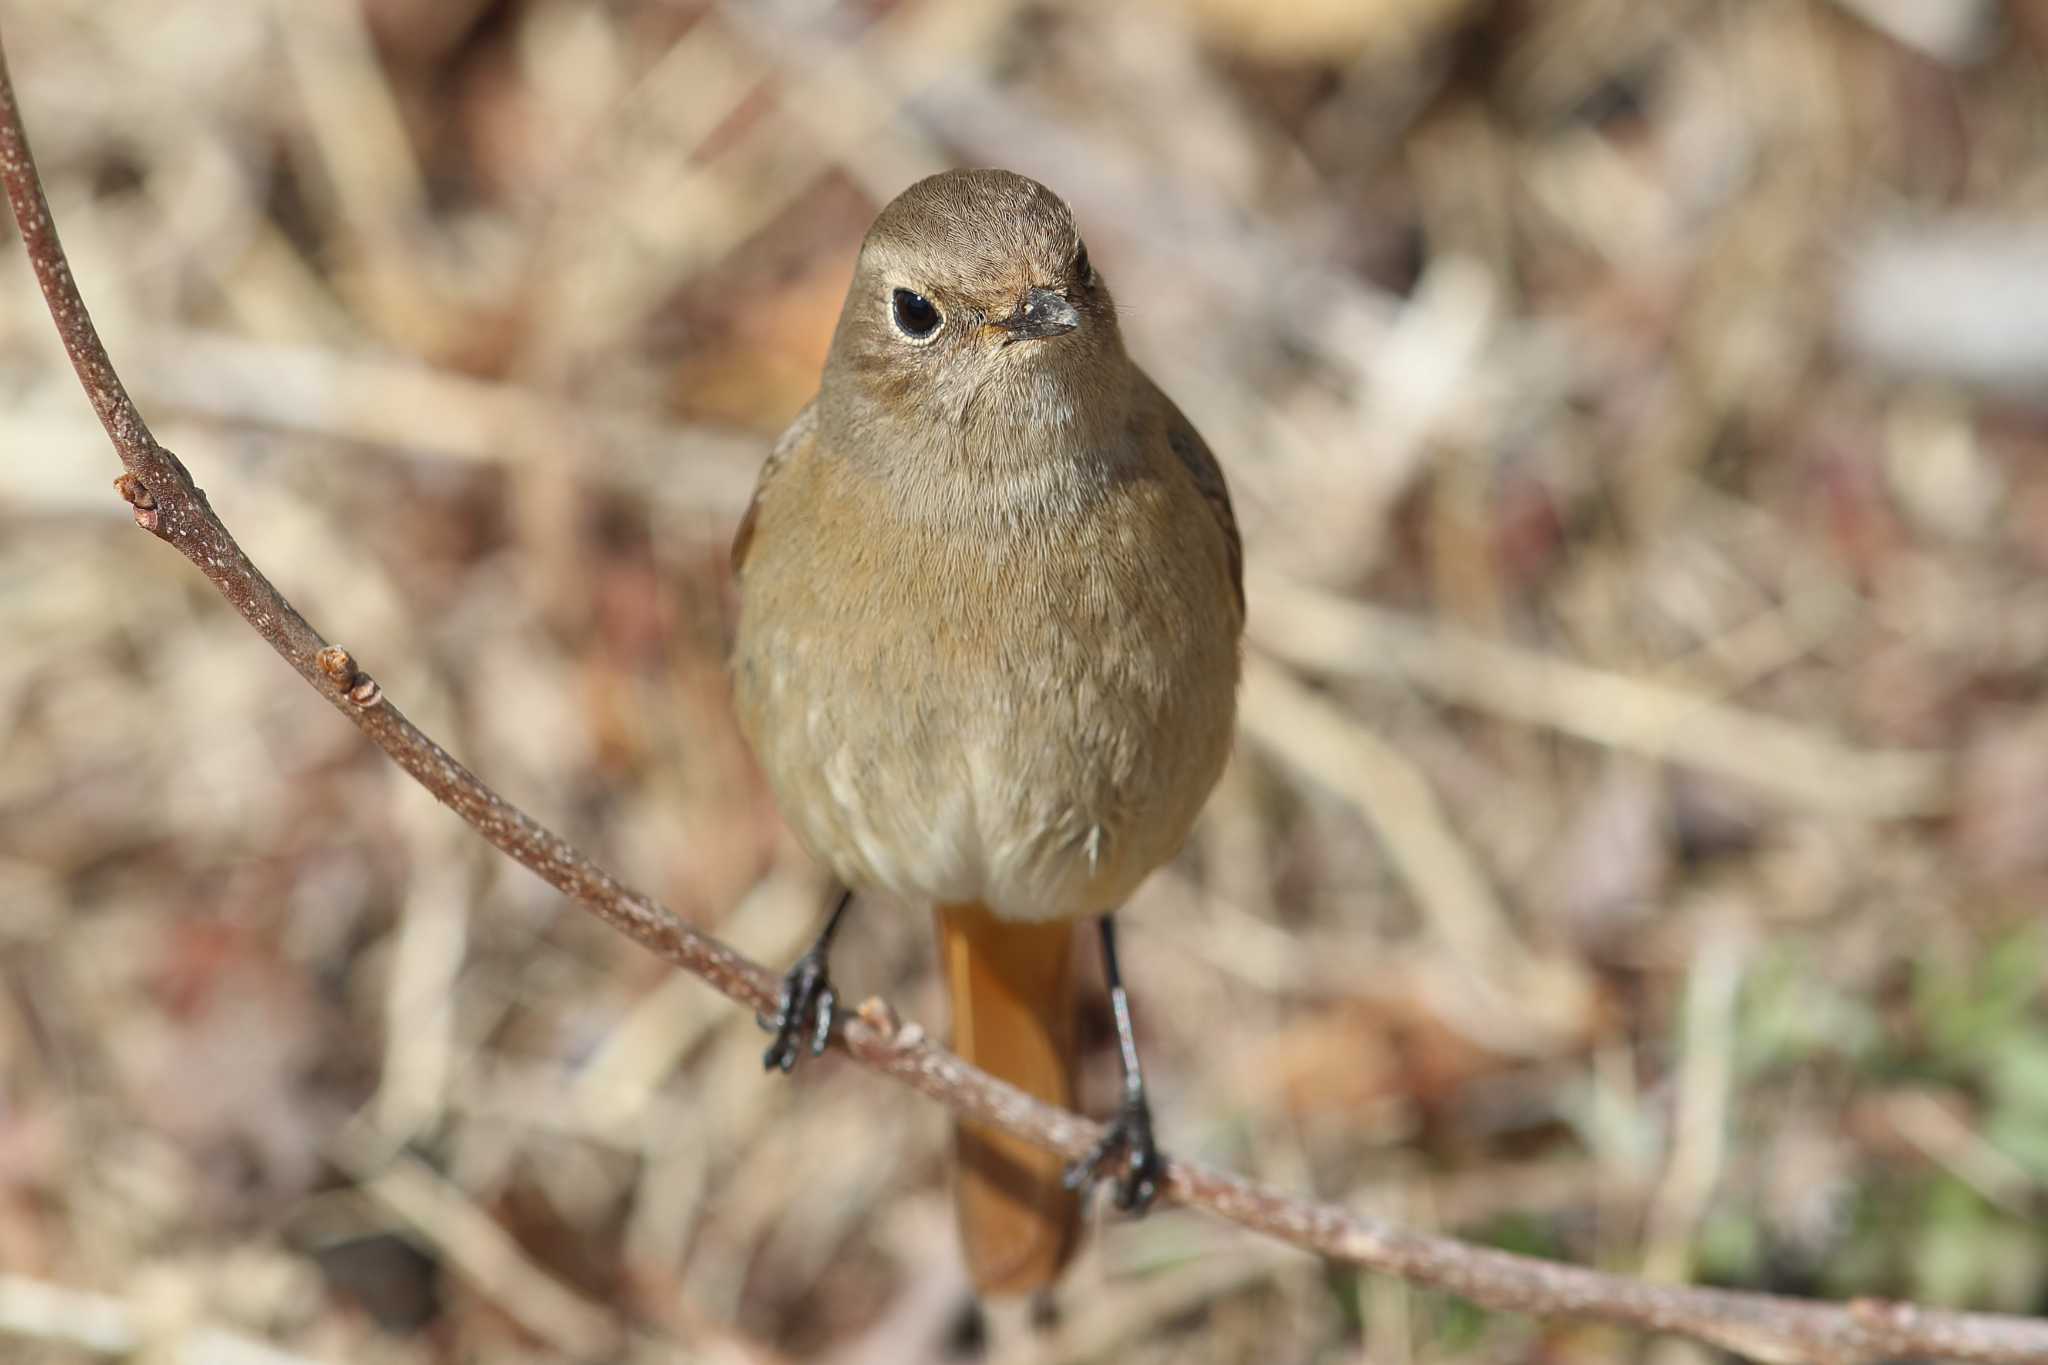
1042	313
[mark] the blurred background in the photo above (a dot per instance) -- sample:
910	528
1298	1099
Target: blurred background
1635	846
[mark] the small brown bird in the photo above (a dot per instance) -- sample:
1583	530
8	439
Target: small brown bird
990	605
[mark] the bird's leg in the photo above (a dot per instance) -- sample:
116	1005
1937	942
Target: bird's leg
808	1003
1130	1133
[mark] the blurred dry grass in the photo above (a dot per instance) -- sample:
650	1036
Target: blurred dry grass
1637	841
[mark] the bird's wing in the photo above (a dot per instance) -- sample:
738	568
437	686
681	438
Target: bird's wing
798	435
1194	454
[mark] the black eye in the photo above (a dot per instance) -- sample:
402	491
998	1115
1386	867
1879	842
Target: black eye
915	315
1083	272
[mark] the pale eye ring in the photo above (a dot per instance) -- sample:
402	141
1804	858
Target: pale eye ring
916	316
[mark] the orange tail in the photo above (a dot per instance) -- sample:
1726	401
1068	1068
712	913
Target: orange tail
1014	1012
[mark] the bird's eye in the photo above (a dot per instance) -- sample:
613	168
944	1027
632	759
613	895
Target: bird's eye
916	316
1084	273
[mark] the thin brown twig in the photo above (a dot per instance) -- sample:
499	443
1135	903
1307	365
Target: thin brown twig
169	505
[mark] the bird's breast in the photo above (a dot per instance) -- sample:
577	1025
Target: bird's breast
1025	708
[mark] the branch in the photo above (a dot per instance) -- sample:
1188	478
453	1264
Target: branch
170	506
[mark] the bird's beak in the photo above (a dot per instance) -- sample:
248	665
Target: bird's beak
1041	313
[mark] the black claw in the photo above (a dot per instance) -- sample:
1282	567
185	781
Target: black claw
826	1009
1129	1136
808	1005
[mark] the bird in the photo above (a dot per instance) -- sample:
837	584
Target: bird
991	606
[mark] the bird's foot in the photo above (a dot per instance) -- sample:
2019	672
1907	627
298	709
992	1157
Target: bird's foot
805	1011
1129	1136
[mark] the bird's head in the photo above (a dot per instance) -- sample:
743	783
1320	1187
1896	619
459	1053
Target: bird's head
975	305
